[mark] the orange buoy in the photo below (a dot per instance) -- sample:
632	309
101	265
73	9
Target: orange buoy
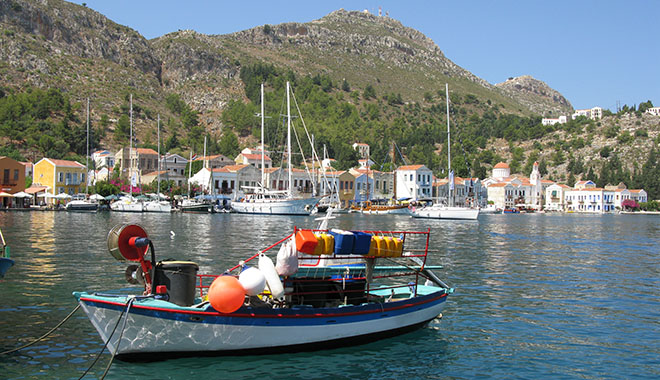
226	294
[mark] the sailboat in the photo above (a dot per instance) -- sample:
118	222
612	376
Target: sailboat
158	205
274	202
191	204
83	204
128	203
449	210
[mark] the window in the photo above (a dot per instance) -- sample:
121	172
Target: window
61	178
341	185
15	174
351	185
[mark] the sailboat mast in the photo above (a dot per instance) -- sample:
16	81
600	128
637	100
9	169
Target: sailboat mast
158	174
189	172
130	150
87	155
263	153
288	139
450	177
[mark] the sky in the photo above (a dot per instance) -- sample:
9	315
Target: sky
596	53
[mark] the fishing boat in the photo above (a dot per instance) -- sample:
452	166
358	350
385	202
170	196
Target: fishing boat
80	203
258	307
450	210
5	261
275	202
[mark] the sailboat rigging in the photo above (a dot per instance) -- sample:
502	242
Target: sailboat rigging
449	210
266	201
158	204
83	204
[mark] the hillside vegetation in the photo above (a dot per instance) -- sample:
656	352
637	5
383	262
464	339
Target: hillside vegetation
356	77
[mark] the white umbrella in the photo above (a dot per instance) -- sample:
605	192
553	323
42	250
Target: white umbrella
49	195
5	195
96	197
22	194
63	196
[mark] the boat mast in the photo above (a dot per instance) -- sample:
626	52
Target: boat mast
288	139
130	151
158	134
450	176
87	155
189	172
263	153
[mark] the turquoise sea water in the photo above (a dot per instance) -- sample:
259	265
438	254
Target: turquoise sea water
537	296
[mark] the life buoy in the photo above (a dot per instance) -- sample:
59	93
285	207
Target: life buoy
273	281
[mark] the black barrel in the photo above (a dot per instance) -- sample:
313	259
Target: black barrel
180	277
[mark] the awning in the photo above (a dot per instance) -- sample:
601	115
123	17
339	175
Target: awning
96	197
63	196
35	189
5	195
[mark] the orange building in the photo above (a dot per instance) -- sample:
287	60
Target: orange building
12	178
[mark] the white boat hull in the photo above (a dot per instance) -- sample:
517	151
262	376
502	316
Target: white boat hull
443	212
395	211
126	206
157	206
302	206
82	206
186	331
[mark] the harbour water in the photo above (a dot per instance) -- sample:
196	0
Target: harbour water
537	296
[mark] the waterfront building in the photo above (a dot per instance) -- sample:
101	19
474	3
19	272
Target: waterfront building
103	159
142	161
217	180
413	182
60	176
364	185
524	191
590	200
383	184
555	197
215	161
467	191
174	167
346	188
13	178
253	159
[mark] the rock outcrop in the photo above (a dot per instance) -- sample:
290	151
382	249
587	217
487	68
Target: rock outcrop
536	95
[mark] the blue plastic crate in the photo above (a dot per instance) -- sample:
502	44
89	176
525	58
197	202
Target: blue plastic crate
344	241
361	243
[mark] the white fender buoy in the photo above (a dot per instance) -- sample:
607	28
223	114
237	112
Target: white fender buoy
267	267
253	281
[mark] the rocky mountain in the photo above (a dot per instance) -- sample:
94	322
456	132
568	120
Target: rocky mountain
536	95
53	43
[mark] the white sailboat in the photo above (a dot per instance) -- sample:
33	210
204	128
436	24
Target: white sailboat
191	204
158	205
265	201
449	210
128	203
84	204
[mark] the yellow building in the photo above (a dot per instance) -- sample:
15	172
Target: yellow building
60	176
